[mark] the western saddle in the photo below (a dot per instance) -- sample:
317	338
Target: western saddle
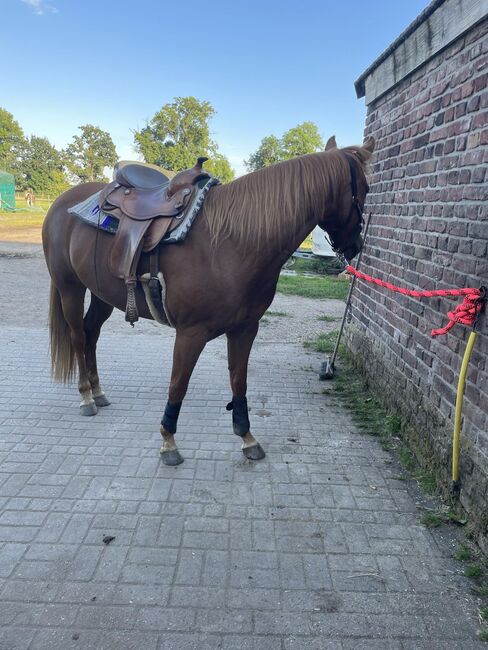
148	205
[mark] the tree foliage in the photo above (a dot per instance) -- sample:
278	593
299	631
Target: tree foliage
42	167
178	134
219	166
301	139
89	153
12	143
268	153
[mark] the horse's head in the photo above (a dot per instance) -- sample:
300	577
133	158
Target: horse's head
345	225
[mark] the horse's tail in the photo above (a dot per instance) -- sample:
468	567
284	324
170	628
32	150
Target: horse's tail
62	351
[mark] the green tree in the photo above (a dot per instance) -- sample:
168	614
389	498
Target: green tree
301	139
178	134
12	143
219	166
42	167
89	153
268	153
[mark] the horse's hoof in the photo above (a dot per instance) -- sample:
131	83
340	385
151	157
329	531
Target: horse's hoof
101	400
254	453
171	457
88	409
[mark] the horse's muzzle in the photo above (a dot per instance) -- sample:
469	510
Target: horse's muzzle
351	251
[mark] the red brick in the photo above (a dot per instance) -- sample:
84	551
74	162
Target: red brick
473	104
478	174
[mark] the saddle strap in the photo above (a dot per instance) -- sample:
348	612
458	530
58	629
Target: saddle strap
155	291
157	287
153	284
124	258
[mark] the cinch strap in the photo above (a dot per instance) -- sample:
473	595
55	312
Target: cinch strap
170	417
240	417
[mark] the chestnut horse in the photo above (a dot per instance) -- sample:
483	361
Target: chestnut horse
220	280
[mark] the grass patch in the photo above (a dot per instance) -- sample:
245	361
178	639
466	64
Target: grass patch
328	319
277	313
433	519
484	613
473	571
21	219
324	343
321	265
320	287
426	480
483	635
367	413
482	590
407	459
463	554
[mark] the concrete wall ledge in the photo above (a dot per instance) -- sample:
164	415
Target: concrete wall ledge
442	22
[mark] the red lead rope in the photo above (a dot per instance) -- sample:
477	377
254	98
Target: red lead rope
465	313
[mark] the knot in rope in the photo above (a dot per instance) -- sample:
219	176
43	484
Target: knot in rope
466	313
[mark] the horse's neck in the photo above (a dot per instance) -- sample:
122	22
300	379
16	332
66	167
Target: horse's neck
287	241
270	239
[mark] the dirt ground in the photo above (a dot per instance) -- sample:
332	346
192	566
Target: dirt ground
22	265
27	234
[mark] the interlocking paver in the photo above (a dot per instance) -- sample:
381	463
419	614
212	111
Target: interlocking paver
318	546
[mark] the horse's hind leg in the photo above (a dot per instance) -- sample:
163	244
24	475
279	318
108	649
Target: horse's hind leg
239	344
72	301
96	316
187	349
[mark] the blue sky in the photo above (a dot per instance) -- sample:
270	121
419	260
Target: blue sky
265	66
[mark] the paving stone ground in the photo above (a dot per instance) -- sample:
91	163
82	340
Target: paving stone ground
319	546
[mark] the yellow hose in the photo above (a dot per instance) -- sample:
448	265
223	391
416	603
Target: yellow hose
459	406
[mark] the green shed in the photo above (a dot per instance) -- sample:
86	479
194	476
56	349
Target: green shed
7	191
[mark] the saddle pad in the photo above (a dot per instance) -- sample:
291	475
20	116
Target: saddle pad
180	232
90	212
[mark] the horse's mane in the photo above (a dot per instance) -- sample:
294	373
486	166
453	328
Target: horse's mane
274	201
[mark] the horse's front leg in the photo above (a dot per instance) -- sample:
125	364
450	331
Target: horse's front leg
239	344
187	349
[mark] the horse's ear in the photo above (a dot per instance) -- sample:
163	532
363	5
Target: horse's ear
331	143
369	143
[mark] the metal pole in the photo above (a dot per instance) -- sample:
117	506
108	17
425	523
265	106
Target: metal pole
327	369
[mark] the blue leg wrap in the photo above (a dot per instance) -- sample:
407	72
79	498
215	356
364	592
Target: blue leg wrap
240	416
170	417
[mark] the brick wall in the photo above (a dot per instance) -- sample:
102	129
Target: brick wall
429	229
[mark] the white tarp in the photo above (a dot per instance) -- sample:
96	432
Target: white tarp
320	245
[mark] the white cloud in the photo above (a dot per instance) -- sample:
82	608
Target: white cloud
40	7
